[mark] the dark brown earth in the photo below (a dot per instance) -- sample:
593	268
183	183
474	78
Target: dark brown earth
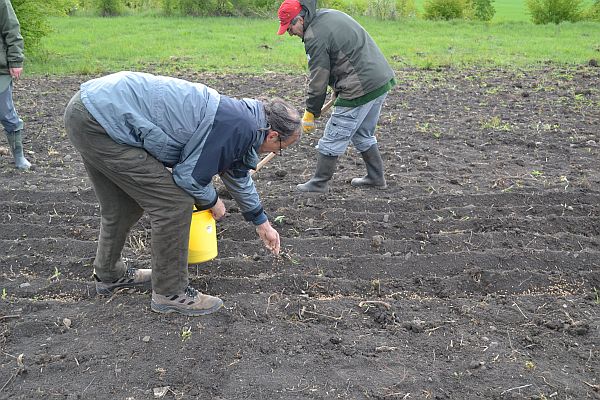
474	276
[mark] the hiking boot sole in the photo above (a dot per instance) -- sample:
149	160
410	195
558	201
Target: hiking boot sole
168	309
108	292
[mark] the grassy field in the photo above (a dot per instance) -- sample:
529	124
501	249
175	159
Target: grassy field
97	45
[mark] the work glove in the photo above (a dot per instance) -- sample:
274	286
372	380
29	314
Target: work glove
308	122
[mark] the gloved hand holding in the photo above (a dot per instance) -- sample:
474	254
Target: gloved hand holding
308	122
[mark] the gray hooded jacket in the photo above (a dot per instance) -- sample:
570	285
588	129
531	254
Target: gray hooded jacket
340	54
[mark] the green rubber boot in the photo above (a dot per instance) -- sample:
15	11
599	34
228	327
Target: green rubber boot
374	164
319	182
16	147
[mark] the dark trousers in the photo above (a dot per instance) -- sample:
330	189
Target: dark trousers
128	182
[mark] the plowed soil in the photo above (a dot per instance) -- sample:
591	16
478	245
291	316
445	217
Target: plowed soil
475	275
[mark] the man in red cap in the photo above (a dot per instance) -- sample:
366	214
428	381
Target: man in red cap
341	54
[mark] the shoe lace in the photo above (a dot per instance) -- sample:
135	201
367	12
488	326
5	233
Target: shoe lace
190	291
130	273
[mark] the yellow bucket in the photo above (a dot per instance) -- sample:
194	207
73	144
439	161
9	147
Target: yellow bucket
203	238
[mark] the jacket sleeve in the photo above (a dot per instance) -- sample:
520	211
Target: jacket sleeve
244	193
11	34
319	67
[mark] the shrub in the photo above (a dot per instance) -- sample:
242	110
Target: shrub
109	8
482	10
33	18
556	11
382	9
444	9
406	8
170	7
196	7
593	12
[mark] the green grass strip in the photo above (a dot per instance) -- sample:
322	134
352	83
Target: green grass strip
88	45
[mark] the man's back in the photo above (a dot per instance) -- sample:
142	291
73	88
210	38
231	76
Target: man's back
336	43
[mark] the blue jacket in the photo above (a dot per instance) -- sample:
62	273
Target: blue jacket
187	126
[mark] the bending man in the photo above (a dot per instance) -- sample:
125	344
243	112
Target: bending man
343	55
129	127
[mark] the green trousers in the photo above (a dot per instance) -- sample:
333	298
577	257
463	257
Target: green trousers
128	182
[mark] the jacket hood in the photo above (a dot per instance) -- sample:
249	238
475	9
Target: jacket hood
310	7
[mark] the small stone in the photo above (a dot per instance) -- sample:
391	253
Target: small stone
24	285
335	340
67	323
146	339
383	349
377	240
386	218
160	391
73	189
476	364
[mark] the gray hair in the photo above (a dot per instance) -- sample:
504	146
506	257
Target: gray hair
282	117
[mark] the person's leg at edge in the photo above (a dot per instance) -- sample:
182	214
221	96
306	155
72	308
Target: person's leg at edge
13	127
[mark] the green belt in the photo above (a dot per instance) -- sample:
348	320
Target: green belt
359	101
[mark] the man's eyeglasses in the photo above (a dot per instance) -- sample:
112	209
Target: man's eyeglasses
293	21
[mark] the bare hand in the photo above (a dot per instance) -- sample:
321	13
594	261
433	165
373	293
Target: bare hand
218	210
15	73
269	236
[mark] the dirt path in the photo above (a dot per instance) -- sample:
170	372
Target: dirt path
474	276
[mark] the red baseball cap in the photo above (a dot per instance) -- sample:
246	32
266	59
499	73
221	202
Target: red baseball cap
288	10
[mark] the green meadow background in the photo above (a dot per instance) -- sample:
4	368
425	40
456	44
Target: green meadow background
92	45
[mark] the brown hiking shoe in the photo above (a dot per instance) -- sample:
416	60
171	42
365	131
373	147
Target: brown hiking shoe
132	277
191	302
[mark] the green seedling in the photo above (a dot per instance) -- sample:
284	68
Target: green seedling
279	219
186	333
4	294
529	365
536	172
496	124
56	274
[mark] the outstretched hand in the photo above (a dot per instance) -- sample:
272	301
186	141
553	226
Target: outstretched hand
269	236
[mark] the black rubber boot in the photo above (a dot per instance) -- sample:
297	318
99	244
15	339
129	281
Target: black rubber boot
374	164
319	182
16	147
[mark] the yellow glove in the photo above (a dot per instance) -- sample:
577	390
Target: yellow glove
308	122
